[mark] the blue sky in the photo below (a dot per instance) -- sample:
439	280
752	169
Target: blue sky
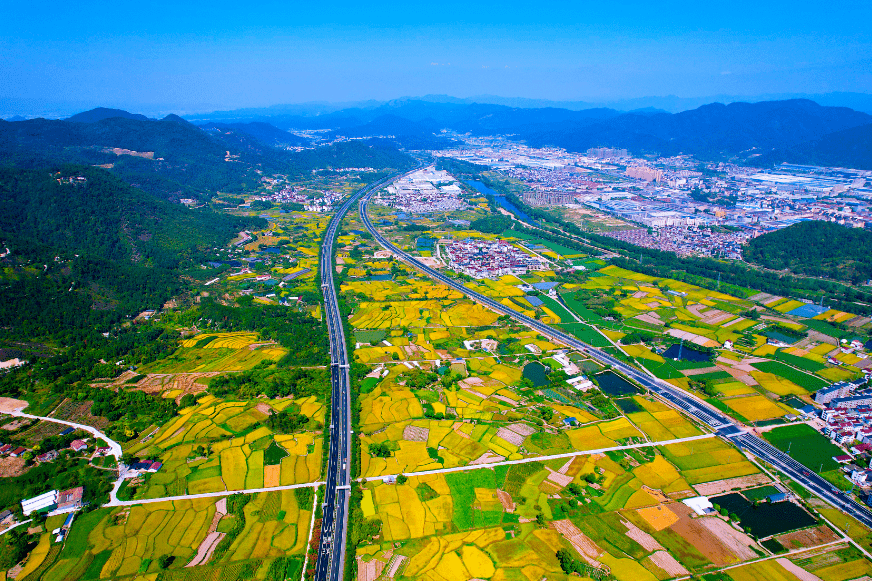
199	56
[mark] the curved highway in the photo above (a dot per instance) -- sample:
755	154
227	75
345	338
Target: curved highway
331	549
691	405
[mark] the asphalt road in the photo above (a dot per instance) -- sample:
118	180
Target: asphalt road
334	523
722	424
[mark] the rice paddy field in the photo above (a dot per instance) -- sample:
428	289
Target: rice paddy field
127	542
619	512
240	451
708	460
217	352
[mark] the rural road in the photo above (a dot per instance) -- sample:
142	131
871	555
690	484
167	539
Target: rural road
116	502
545	458
114	446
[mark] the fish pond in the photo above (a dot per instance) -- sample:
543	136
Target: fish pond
537	373
765	518
614	385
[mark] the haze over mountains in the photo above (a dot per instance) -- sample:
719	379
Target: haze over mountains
798	130
173	158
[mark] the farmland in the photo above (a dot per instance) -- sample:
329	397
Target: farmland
620	511
218	445
805	445
235	537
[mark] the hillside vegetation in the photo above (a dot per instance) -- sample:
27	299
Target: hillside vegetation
815	249
91	252
174	159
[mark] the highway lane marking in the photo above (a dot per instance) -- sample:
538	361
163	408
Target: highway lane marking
333	543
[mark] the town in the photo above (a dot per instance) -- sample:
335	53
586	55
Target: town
683	205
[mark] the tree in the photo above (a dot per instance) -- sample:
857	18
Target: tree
402	479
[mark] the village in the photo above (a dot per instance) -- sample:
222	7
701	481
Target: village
485	259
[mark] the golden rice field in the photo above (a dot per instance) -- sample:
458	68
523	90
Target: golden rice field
421	313
227	352
708	460
756	407
129	540
777	385
459	443
234	462
481	554
661	422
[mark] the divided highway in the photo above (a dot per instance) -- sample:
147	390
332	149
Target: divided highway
331	549
700	410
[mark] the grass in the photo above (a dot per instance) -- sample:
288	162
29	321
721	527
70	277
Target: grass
826	328
807	446
760	493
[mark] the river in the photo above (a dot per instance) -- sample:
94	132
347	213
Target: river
501	200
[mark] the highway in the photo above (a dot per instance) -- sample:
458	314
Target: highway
716	420
331	549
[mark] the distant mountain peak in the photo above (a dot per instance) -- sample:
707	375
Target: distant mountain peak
173	118
101	113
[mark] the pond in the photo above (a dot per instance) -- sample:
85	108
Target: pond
628	405
537	373
766	518
772	334
501	200
613	384
687	354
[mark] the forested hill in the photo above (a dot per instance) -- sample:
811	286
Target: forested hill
102	216
174	159
88	252
816	248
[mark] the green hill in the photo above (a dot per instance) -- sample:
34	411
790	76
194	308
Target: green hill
174	159
90	251
815	248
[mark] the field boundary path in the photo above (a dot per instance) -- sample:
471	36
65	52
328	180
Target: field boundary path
725	426
546	458
218	493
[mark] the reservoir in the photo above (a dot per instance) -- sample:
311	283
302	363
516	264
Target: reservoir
501	200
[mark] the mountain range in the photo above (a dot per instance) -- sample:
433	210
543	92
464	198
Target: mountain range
797	130
173	158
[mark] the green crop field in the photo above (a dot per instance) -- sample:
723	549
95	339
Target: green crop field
798	362
585	333
801	379
807	446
